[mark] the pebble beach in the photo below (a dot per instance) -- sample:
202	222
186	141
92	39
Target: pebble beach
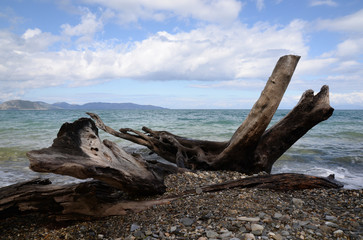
229	214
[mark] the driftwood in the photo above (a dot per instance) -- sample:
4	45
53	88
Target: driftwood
94	199
79	152
251	149
82	201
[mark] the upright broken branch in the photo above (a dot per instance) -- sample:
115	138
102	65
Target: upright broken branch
239	151
311	110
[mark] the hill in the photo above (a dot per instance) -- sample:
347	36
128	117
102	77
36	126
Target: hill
29	105
26	105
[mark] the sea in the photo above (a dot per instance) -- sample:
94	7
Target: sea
334	146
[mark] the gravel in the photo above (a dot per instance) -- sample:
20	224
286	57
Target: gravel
230	214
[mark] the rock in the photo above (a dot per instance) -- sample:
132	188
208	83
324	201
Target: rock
275	236
338	233
324	228
267	219
173	229
187	221
134	227
206	216
243	229
303	223
130	237
311	226
148	232
277	215
330	218
331	224
285	218
248	236
261	214
100	236
198	190
138	234
212	234
249	219
298	202
232	211
256	229
225	235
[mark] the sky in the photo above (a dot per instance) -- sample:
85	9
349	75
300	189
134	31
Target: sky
180	54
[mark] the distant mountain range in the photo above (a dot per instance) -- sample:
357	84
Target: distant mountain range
29	105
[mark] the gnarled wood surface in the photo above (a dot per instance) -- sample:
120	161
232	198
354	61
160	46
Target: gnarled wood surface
78	152
82	201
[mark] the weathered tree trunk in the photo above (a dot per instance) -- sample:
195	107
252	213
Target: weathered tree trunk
251	149
82	201
310	111
94	199
78	151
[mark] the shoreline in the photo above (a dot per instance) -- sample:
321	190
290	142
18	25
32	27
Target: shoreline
230	214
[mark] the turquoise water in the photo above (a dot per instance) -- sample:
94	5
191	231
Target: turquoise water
332	147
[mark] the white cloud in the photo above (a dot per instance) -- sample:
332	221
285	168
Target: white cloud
347	53
355	98
206	53
348	24
86	29
352	47
30	33
330	3
260	4
315	66
205	10
233	84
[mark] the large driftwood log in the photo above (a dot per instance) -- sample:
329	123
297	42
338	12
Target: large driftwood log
82	201
94	199
79	152
251	149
